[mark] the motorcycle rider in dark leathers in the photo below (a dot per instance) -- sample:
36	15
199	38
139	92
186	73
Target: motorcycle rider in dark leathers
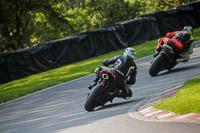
125	71
182	43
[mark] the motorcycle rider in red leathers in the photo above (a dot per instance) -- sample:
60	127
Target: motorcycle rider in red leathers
182	43
125	71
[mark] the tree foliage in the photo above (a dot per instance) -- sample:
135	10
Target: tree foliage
160	5
24	23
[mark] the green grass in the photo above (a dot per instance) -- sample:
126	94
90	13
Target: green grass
186	100
30	84
197	34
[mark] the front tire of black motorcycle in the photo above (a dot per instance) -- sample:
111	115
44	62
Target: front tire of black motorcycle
156	65
92	99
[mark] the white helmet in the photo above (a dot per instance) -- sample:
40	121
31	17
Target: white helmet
130	52
188	29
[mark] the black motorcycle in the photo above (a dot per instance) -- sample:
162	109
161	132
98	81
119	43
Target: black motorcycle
99	95
165	60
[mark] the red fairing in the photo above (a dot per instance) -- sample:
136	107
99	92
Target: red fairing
162	41
110	74
158	46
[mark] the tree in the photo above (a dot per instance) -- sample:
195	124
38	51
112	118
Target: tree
24	23
160	5
18	19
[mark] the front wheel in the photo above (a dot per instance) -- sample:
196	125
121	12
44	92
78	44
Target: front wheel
157	65
92	99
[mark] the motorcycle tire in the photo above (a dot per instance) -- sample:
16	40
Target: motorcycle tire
157	65
93	97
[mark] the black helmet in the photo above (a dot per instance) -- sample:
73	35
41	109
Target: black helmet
130	52
188	29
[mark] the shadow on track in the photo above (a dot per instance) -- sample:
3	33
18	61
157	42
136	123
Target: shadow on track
110	105
175	70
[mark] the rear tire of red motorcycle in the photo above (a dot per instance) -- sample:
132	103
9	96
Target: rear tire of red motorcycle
93	97
156	65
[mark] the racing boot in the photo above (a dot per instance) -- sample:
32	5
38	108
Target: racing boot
184	57
124	95
94	83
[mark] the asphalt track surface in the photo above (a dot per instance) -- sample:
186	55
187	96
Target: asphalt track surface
60	109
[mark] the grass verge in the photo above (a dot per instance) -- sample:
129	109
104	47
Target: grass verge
30	84
186	100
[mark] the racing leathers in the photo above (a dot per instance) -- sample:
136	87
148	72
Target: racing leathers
125	71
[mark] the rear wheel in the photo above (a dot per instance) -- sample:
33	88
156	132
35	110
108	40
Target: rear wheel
157	65
92	99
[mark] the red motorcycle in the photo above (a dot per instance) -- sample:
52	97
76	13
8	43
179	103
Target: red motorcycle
99	95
